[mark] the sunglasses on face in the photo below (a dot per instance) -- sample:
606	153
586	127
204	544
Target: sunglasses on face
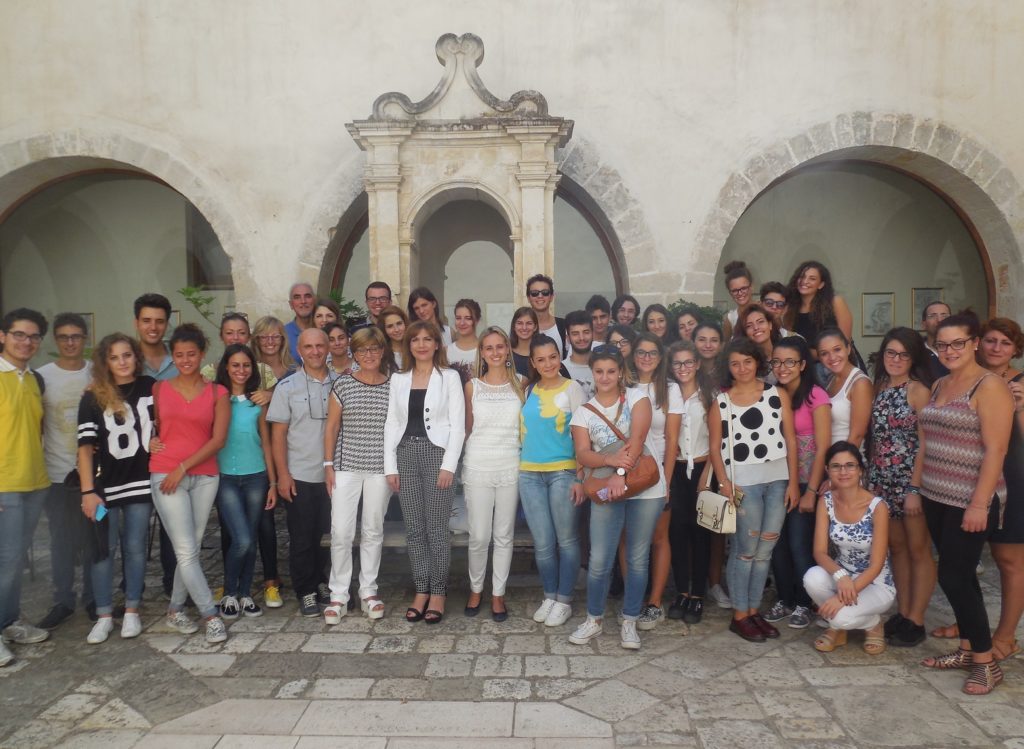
541	292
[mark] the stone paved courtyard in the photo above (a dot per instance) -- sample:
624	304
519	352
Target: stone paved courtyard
285	681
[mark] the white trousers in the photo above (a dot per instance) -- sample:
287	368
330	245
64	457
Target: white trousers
348	487
872	602
492	516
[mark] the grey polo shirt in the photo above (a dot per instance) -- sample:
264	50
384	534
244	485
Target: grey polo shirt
167	369
300	401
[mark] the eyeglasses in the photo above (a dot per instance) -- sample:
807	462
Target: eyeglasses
372	350
784	363
936	316
621	343
309	401
740	290
642	354
891	353
72	338
773	304
688	364
608	348
269	338
377	299
841	467
540	292
957	345
21	336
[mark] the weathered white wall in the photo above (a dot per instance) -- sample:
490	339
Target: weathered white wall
241	106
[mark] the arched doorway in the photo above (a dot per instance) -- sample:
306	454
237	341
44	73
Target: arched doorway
90	242
889	239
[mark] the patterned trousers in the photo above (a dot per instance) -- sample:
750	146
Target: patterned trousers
426	510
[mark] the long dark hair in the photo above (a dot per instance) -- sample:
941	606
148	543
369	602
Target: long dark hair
538	341
822	312
920	369
744	347
668	319
659	377
705	387
798	344
222	378
422	292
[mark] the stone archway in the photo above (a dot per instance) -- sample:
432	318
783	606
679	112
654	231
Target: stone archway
461	140
976	182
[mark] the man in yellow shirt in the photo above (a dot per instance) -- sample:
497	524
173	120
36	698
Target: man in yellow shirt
23	477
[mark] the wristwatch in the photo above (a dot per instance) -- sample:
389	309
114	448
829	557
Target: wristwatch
620	471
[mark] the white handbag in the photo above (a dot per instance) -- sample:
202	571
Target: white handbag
715	511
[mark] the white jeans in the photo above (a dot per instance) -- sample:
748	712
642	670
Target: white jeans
344	506
492	515
873	601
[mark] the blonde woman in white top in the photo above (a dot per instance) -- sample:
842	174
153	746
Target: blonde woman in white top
490	473
849	389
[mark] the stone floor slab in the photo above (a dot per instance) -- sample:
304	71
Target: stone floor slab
550	720
498	665
391	718
242	686
401	689
261	717
247	741
282	642
451	665
732	733
339	742
546	666
450	743
996	719
108	739
340	689
612	700
179	740
114	714
436	644
506	689
861	676
214	664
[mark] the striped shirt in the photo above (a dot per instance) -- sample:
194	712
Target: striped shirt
364	410
953	449
122	442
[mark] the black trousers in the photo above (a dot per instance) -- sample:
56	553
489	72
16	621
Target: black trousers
959	554
309	517
691	544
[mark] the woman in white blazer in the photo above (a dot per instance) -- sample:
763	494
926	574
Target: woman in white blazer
423	438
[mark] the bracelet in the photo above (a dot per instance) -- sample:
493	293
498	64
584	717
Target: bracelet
914	490
273	483
812	491
577	480
184	470
839	574
91	491
328	464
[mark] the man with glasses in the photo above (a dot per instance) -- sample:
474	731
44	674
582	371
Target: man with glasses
773	299
932	315
302	301
580	333
23	479
66	379
152	316
297	416
378	297
540	290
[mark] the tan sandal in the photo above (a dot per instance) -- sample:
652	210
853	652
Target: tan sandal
874	641
1004	649
984	677
959	658
829	640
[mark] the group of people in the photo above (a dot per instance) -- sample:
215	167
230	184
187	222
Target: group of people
841	482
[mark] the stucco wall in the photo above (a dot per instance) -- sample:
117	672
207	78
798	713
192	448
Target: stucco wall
241	106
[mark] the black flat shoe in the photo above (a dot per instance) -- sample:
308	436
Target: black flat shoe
499	616
471	610
678	607
893	623
694	610
430	616
413	615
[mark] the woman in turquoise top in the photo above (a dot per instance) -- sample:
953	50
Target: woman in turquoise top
247	483
548	485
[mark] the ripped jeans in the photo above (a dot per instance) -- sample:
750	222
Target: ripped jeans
758	523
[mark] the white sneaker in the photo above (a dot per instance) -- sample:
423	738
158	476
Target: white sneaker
215	630
23	634
179	622
100	630
131	626
558	615
541	614
630	639
720	597
6	656
589	629
334	612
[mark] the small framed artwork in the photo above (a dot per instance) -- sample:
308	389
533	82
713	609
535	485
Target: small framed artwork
920	298
877	312
175	320
90	335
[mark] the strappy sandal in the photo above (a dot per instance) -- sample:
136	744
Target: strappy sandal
1004	649
829	640
946	632
372	606
984	677
874	641
959	658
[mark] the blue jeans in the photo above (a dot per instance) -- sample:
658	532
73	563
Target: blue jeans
240	502
17	524
759	520
551	515
184	514
64	514
129	525
793	556
639	516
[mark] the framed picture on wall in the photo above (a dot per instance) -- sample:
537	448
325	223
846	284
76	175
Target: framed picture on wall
921	297
877	312
174	322
90	321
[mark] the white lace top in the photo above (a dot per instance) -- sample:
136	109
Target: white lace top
492	450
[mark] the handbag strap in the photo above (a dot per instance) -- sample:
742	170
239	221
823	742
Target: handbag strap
615	429
732	456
